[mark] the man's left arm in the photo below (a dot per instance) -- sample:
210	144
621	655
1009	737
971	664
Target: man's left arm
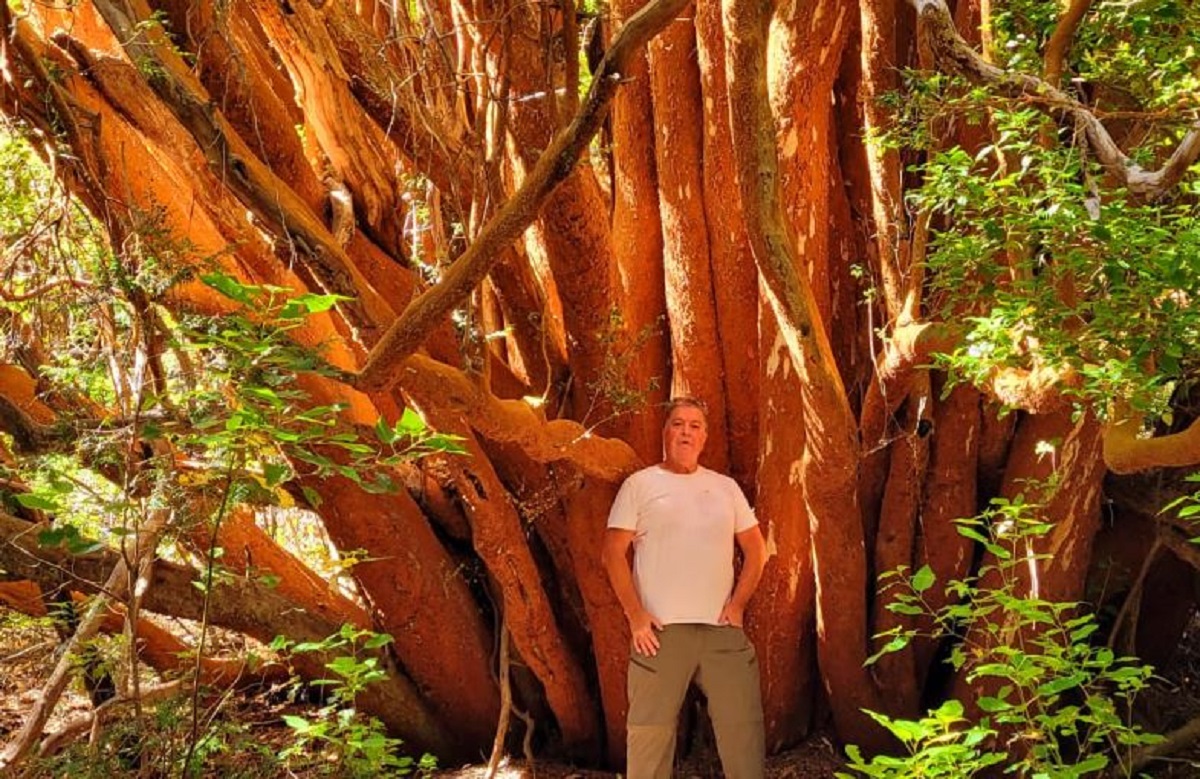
754	559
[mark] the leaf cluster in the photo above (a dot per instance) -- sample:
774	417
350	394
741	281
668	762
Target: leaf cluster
1062	701
1047	262
338	738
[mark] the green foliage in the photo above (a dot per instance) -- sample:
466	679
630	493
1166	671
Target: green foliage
1042	259
621	348
1186	507
337	738
942	744
163	411
1137	55
1057	277
1061	702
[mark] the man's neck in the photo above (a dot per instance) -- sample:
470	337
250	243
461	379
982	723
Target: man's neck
681	468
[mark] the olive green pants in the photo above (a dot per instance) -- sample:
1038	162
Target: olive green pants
722	662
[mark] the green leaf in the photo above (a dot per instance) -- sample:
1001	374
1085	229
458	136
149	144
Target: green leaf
296	723
923	579
410	424
231	287
991	705
312	496
309	303
34	501
378	640
275	474
895	645
1056	686
384	431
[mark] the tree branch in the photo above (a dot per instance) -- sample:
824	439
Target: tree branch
237	603
1059	44
252	181
383	366
1126	451
952	54
145	544
514	421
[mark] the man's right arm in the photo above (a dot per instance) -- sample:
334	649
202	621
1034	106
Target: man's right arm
615	558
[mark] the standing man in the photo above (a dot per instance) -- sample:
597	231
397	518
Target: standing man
683	604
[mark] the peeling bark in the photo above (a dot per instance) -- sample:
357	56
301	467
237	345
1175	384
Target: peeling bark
554	166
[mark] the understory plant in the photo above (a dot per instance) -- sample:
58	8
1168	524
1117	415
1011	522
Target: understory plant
337	738
1053	702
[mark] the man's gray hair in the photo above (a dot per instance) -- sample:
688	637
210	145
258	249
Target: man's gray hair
690	402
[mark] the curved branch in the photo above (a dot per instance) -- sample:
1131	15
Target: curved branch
1125	451
952	54
909	348
514	421
386	360
1055	57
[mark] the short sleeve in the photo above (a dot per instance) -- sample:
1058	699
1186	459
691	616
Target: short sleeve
624	512
743	515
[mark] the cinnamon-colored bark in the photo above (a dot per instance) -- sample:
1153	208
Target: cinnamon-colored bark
499	539
639	288
327	146
691	307
735	280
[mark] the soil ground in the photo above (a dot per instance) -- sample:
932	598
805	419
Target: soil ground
252	733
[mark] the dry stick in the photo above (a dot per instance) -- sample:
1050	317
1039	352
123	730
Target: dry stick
954	55
505	704
527	742
27	651
91	720
89	626
383	366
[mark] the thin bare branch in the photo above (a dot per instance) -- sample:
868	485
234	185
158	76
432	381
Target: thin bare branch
144	545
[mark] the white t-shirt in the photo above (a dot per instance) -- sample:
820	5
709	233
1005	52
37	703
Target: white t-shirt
683	548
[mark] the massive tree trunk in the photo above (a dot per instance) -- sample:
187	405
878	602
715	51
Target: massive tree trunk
537	276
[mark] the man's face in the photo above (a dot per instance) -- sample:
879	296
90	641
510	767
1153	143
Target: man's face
684	437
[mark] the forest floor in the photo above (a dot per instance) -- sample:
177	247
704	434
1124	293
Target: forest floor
250	733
